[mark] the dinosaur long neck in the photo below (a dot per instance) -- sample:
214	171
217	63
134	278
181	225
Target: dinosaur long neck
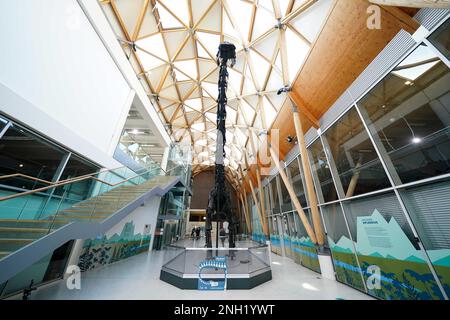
221	130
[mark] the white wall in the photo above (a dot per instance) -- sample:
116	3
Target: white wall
52	57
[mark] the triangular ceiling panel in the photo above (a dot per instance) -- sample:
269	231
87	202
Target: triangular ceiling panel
206	67
156	75
185	88
129	11
213	20
177	42
149	25
199	8
168	20
174	40
188	51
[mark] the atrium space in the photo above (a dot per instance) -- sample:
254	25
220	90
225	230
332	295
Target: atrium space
212	151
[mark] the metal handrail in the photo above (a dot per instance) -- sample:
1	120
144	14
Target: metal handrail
69	181
52	182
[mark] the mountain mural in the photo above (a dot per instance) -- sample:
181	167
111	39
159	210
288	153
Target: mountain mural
103	250
377	237
404	271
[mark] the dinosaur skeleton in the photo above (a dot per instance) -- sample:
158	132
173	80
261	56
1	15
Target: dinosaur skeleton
219	203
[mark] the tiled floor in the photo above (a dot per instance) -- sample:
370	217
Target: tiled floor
138	278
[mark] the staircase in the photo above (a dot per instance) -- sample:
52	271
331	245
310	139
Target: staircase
25	240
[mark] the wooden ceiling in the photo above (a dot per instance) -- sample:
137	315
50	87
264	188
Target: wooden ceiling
343	49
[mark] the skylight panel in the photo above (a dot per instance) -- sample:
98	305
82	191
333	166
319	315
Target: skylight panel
299	3
179	8
421	54
189	67
264	21
167	19
154	45
413	74
283	6
195	104
202	53
235	79
211	88
297	50
203	154
269	112
261	66
241	137
211	116
212	135
247	111
231	115
309	23
180	76
228	27
209	41
202	143
148	61
199	126
242	15
267	4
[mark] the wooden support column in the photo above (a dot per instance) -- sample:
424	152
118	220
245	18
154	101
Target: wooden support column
295	202
261	217
250	223
247	219
258	205
354	180
312	197
258	178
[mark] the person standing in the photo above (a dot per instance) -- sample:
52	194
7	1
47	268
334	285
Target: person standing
197	233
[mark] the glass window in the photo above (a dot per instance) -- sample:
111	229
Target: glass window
23	152
342	248
441	39
321	172
286	204
409	112
3	123
267	200
429	209
357	163
274	196
77	167
383	239
297	181
303	246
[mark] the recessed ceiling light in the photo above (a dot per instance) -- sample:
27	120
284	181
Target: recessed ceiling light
416	140
21	165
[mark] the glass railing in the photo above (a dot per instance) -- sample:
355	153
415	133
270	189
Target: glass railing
28	214
240	261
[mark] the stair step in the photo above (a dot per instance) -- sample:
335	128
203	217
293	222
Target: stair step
80	209
17	232
4	253
68	219
100	207
82	214
28	223
7	244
